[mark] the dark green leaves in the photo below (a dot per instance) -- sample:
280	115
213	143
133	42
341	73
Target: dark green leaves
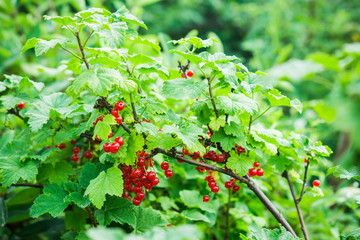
13	169
240	163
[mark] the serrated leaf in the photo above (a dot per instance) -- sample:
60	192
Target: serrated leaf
100	81
147	128
236	102
195	215
42	46
88	173
109	182
76	194
142	216
126	16
30	43
165	142
234	129
26	82
76	219
277	99
12	169
183	88
91	11
103	128
116	209
195	41
152	106
153	68
191	57
342	173
148	42
239	163
135	144
320	149
51	201
127	85
61	172
65	20
114	34
267	234
227	142
188	133
216	123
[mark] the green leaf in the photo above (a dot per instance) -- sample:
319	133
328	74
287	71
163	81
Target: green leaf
274	234
352	235
127	85
189	56
100	81
135	144
342	173
39	114
88	173
237	102
195	215
164	141
320	149
183	88
277	99
116	209
328	113
30	43
109	182
26	82
152	106
91	11
12	169
76	194
153	68
66	20
51	201
216	123
42	46
126	16
103	128
140	58
240	163
142	216
187	133
192	198
148	42
234	129
60	172
147	128
195	41
227	142
76	219
113	34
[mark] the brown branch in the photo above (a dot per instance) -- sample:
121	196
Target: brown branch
303	227
86	135
77	34
26	185
304	182
133	108
16	113
212	98
92	218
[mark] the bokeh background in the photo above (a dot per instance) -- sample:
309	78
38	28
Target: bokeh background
310	50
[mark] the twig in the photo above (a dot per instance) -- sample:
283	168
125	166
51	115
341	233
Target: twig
87	135
212	98
262	113
26	185
88	38
133	108
72	53
77	34
303	227
92	218
16	113
304	182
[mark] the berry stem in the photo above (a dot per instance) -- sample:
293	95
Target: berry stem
133	108
92	218
212	98
303	227
304	182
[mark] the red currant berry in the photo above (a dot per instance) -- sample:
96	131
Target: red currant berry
169	173
119	140
151	175
182	75
118	119
88	154
215	189
72	141
155	181
316	183
190	73
110	134
62	146
107	147
256	164
136	173
120	105
76	150
47	147
185	151
305	160
115	113
206	198
207	178
57	146
136	201
179	161
75	157
164	166
211	184
140	162
236	188
21	105
140	195
115	147
220	158
208	133
228	184
260	172
253	172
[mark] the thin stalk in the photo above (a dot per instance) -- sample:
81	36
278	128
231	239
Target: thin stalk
212	98
72	53
262	114
304	182
133	108
77	34
92	218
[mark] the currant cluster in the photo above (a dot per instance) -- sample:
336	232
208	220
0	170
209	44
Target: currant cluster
256	172
60	146
137	178
115	146
189	73
21	105
165	166
88	154
119	106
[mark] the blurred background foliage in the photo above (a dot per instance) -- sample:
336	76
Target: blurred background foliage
309	49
